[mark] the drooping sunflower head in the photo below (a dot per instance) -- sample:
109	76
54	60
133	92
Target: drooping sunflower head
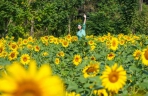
45	54
113	78
137	54
110	56
114	43
144	56
25	59
91	70
77	59
32	82
61	53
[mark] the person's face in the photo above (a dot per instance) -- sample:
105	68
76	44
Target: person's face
79	27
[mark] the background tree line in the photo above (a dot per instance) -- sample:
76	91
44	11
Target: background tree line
21	18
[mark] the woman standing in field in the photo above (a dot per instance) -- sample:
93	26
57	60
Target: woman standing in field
81	28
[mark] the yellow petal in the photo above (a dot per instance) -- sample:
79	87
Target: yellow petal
44	72
16	71
7	86
32	68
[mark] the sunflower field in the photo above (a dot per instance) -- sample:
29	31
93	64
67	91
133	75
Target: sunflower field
107	65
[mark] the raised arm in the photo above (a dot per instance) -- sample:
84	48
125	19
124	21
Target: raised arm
84	19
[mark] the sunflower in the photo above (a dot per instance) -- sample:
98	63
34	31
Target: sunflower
46	38
65	43
92	58
25	41
13	46
2	48
56	41
25	59
37	48
74	38
100	92
110	56
91	70
51	39
77	60
137	54
122	42
61	53
29	46
5	53
113	78
45	54
13	55
30	39
91	42
102	39
144	57
114	44
19	42
68	37
57	61
31	82
92	47
72	94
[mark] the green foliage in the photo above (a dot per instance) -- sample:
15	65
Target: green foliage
140	24
105	19
21	18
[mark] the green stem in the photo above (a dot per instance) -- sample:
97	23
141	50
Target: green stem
91	93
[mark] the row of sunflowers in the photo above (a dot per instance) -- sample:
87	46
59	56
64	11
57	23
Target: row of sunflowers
108	65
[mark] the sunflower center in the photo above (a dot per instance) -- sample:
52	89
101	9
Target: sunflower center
25	59
91	70
113	77
25	41
1	50
77	59
27	88
12	55
46	37
65	43
110	55
101	94
114	43
92	58
146	54
13	46
37	48
138	54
